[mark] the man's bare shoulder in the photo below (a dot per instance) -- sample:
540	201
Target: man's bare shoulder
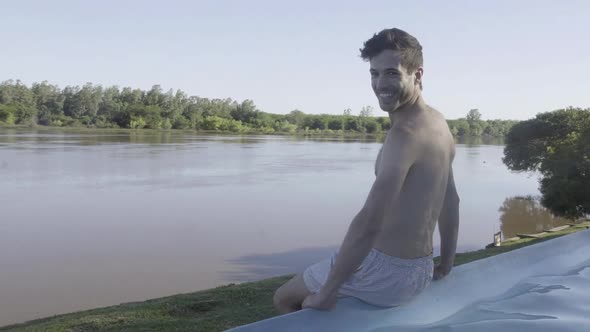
435	131
444	126
434	110
427	129
436	115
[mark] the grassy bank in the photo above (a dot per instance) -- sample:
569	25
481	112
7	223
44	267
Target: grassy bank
215	309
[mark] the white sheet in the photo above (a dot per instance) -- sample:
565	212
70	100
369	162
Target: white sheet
543	287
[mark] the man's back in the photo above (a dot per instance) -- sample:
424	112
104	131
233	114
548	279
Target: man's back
410	221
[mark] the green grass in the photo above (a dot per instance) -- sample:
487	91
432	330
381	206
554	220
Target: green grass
211	310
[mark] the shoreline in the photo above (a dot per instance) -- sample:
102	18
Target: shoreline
311	133
223	307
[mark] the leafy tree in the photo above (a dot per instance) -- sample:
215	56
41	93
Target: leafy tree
296	117
245	112
137	123
166	124
7	114
473	116
352	123
366	111
475	129
384	122
557	145
154	96
13	93
111	102
460	127
371	125
286	127
318	122
212	123
335	123
48	100
475	124
25	114
181	122
131	97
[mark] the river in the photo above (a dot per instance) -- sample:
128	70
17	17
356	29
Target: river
94	218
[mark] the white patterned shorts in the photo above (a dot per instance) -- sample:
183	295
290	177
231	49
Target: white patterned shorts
381	280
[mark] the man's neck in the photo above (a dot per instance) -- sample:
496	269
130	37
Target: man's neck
408	109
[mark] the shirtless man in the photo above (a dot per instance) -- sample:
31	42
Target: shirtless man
386	256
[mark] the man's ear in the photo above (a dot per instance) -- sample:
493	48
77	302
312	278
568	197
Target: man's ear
418	74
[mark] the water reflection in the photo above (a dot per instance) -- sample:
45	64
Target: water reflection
148	136
525	215
476	141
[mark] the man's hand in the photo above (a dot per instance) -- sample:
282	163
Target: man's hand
440	271
320	301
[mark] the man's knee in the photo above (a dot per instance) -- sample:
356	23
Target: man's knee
289	296
277	298
281	300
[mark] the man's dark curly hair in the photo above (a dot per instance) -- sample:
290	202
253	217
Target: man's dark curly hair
397	40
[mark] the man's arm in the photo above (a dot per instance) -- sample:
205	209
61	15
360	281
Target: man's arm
448	226
378	161
396	160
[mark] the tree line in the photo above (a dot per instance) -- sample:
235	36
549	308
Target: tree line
95	106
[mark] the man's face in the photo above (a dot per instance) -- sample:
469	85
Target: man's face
391	82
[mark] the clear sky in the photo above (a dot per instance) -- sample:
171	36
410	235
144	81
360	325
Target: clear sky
509	59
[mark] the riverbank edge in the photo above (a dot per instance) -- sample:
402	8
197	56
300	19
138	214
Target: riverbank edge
219	308
311	133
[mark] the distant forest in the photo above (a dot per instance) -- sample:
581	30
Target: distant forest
94	106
